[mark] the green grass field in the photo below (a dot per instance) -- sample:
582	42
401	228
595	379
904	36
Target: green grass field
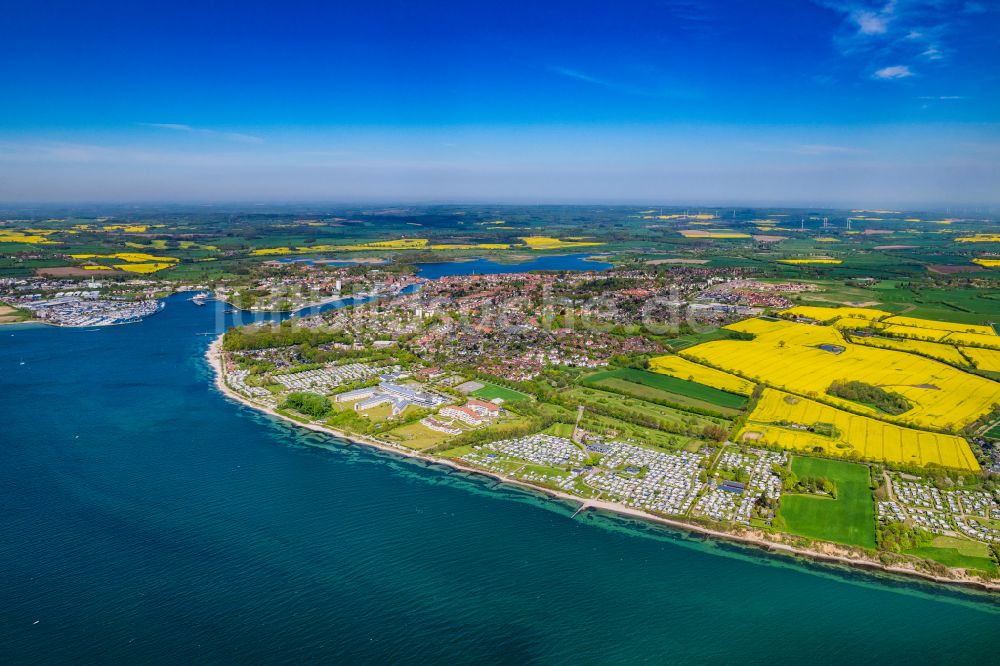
849	519
692	339
492	391
418	436
597	398
645	385
957	553
560	430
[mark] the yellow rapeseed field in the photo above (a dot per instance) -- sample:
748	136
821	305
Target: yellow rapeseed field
787	421
682	216
131	257
809	261
826	239
550	243
940	325
936	350
915	332
144	268
979	238
400	244
984	359
974	340
788	355
7	236
160	244
712	233
825	314
128	228
675	366
852	323
986	262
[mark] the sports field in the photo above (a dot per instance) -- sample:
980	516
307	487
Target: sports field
653	385
849	519
785	420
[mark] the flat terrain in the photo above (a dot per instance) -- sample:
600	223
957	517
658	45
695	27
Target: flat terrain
958	553
849	519
650	385
641	408
789	422
417	436
942	397
493	391
72	271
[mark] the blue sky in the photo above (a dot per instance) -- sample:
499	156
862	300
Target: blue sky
846	102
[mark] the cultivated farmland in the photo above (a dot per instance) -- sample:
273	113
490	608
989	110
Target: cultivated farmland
675	366
806	359
800	424
985	359
656	386
826	315
935	350
848	519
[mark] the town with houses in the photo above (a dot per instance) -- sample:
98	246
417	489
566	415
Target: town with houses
521	375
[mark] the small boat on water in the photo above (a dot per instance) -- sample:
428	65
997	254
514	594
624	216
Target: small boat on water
199	299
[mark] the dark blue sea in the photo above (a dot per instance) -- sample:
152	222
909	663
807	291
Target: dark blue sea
145	518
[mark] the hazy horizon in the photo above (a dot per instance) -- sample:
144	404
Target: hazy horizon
835	103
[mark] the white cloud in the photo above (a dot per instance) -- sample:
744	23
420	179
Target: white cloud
893	72
871	23
827	149
876	33
579	76
653	89
239	137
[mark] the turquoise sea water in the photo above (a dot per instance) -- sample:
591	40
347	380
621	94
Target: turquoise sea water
145	518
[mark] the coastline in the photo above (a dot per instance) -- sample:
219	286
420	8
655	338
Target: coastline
829	556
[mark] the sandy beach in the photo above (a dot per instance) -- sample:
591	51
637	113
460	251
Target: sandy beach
827	553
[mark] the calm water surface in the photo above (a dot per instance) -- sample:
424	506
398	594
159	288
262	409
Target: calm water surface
148	519
558	262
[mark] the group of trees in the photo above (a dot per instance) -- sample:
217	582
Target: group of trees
310	404
886	401
812	485
897	537
283	335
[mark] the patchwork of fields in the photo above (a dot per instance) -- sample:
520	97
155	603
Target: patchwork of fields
655	386
679	367
798	424
941	352
797	361
805	359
